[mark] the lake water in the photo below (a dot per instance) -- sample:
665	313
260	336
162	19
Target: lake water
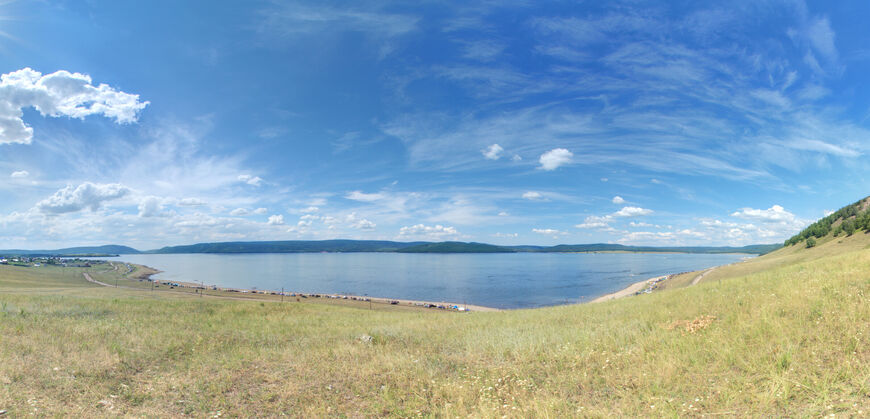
503	280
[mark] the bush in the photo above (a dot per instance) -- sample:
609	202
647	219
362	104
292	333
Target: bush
811	242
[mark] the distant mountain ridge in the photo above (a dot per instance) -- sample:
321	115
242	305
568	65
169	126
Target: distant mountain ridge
111	249
291	246
456	247
355	246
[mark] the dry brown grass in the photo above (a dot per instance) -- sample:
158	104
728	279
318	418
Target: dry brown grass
692	326
791	341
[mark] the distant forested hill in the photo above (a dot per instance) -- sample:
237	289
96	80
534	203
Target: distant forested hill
350	246
111	249
456	247
294	246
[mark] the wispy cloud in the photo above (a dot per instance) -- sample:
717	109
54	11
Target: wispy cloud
294	22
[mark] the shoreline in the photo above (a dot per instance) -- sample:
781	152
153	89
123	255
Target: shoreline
148	271
645	286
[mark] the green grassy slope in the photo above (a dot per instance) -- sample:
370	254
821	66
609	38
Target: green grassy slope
786	340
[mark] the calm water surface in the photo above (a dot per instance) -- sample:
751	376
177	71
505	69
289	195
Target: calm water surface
508	280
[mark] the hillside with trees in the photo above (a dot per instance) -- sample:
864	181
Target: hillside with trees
845	221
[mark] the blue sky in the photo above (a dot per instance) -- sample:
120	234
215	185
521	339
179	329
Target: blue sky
691	123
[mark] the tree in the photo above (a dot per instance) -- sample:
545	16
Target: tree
811	242
849	227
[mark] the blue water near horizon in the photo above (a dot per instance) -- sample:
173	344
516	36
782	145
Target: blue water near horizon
500	280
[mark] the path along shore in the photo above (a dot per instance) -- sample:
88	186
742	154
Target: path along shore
644	286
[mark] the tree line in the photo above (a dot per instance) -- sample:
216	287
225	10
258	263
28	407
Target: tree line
854	219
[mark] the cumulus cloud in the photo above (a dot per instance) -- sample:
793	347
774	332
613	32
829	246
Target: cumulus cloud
151	206
554	158
364	224
20	174
239	212
58	94
593	221
775	213
420	230
493	152
276	220
86	195
358	223
618	200
260	211
309	210
632	212
251	180
532	196
549	232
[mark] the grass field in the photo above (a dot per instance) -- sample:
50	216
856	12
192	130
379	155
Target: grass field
782	335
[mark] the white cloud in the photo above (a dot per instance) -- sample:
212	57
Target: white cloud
554	158
493	152
239	212
309	210
364	197
821	147
505	235
593	221
532	196
191	202
821	37
632	212
773	214
364	224
20	174
516	157
549	232
436	232
641	224
292	21
58	94
251	180
260	211
276	220
358	223
618	200
151	206
86	195
503	214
